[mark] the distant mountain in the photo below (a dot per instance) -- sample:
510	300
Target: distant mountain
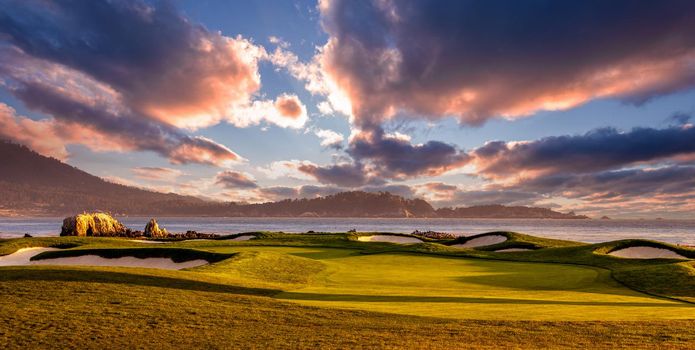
32	184
497	211
344	204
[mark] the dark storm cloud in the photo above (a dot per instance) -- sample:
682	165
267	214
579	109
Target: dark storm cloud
601	149
670	180
391	157
162	65
478	59
347	175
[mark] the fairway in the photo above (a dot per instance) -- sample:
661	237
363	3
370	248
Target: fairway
421	285
315	290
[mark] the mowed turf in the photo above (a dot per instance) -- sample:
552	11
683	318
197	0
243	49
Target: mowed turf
416	284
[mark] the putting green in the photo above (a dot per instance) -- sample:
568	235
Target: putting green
416	284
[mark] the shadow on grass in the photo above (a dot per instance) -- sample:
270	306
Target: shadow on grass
89	276
463	300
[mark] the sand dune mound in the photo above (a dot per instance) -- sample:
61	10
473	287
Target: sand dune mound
482	241
645	252
389	239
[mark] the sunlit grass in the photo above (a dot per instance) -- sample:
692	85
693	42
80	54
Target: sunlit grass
331	291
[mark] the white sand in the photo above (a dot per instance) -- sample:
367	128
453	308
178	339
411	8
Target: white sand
146	241
243	238
482	241
646	253
126	261
22	256
389	238
508	250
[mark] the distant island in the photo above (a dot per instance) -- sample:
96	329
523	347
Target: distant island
35	185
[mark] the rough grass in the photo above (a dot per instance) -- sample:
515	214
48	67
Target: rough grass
132	313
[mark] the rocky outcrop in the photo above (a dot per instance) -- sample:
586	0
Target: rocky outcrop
152	230
92	224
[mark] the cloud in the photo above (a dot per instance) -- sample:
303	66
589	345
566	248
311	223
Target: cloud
96	120
235	180
376	156
287	111
330	138
285	169
446	195
156	173
346	175
135	72
503	58
175	71
42	136
597	150
671	180
397	158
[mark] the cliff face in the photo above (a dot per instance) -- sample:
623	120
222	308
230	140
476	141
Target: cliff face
31	184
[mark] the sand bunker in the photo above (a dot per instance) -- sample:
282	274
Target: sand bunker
389	238
482	241
243	238
646	253
22	257
509	250
147	241
126	261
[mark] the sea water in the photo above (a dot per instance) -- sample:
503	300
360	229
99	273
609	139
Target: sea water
673	231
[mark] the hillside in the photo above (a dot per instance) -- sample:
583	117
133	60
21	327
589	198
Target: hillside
32	184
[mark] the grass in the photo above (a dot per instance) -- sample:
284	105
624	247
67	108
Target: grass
331	291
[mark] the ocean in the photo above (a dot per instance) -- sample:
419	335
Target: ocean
590	231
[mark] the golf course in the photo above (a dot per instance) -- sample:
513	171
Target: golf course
345	290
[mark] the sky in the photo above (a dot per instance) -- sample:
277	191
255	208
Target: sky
582	106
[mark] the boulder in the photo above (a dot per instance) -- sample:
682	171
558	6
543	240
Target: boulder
92	224
152	230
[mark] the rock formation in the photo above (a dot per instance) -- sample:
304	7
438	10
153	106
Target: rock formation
152	230
92	224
